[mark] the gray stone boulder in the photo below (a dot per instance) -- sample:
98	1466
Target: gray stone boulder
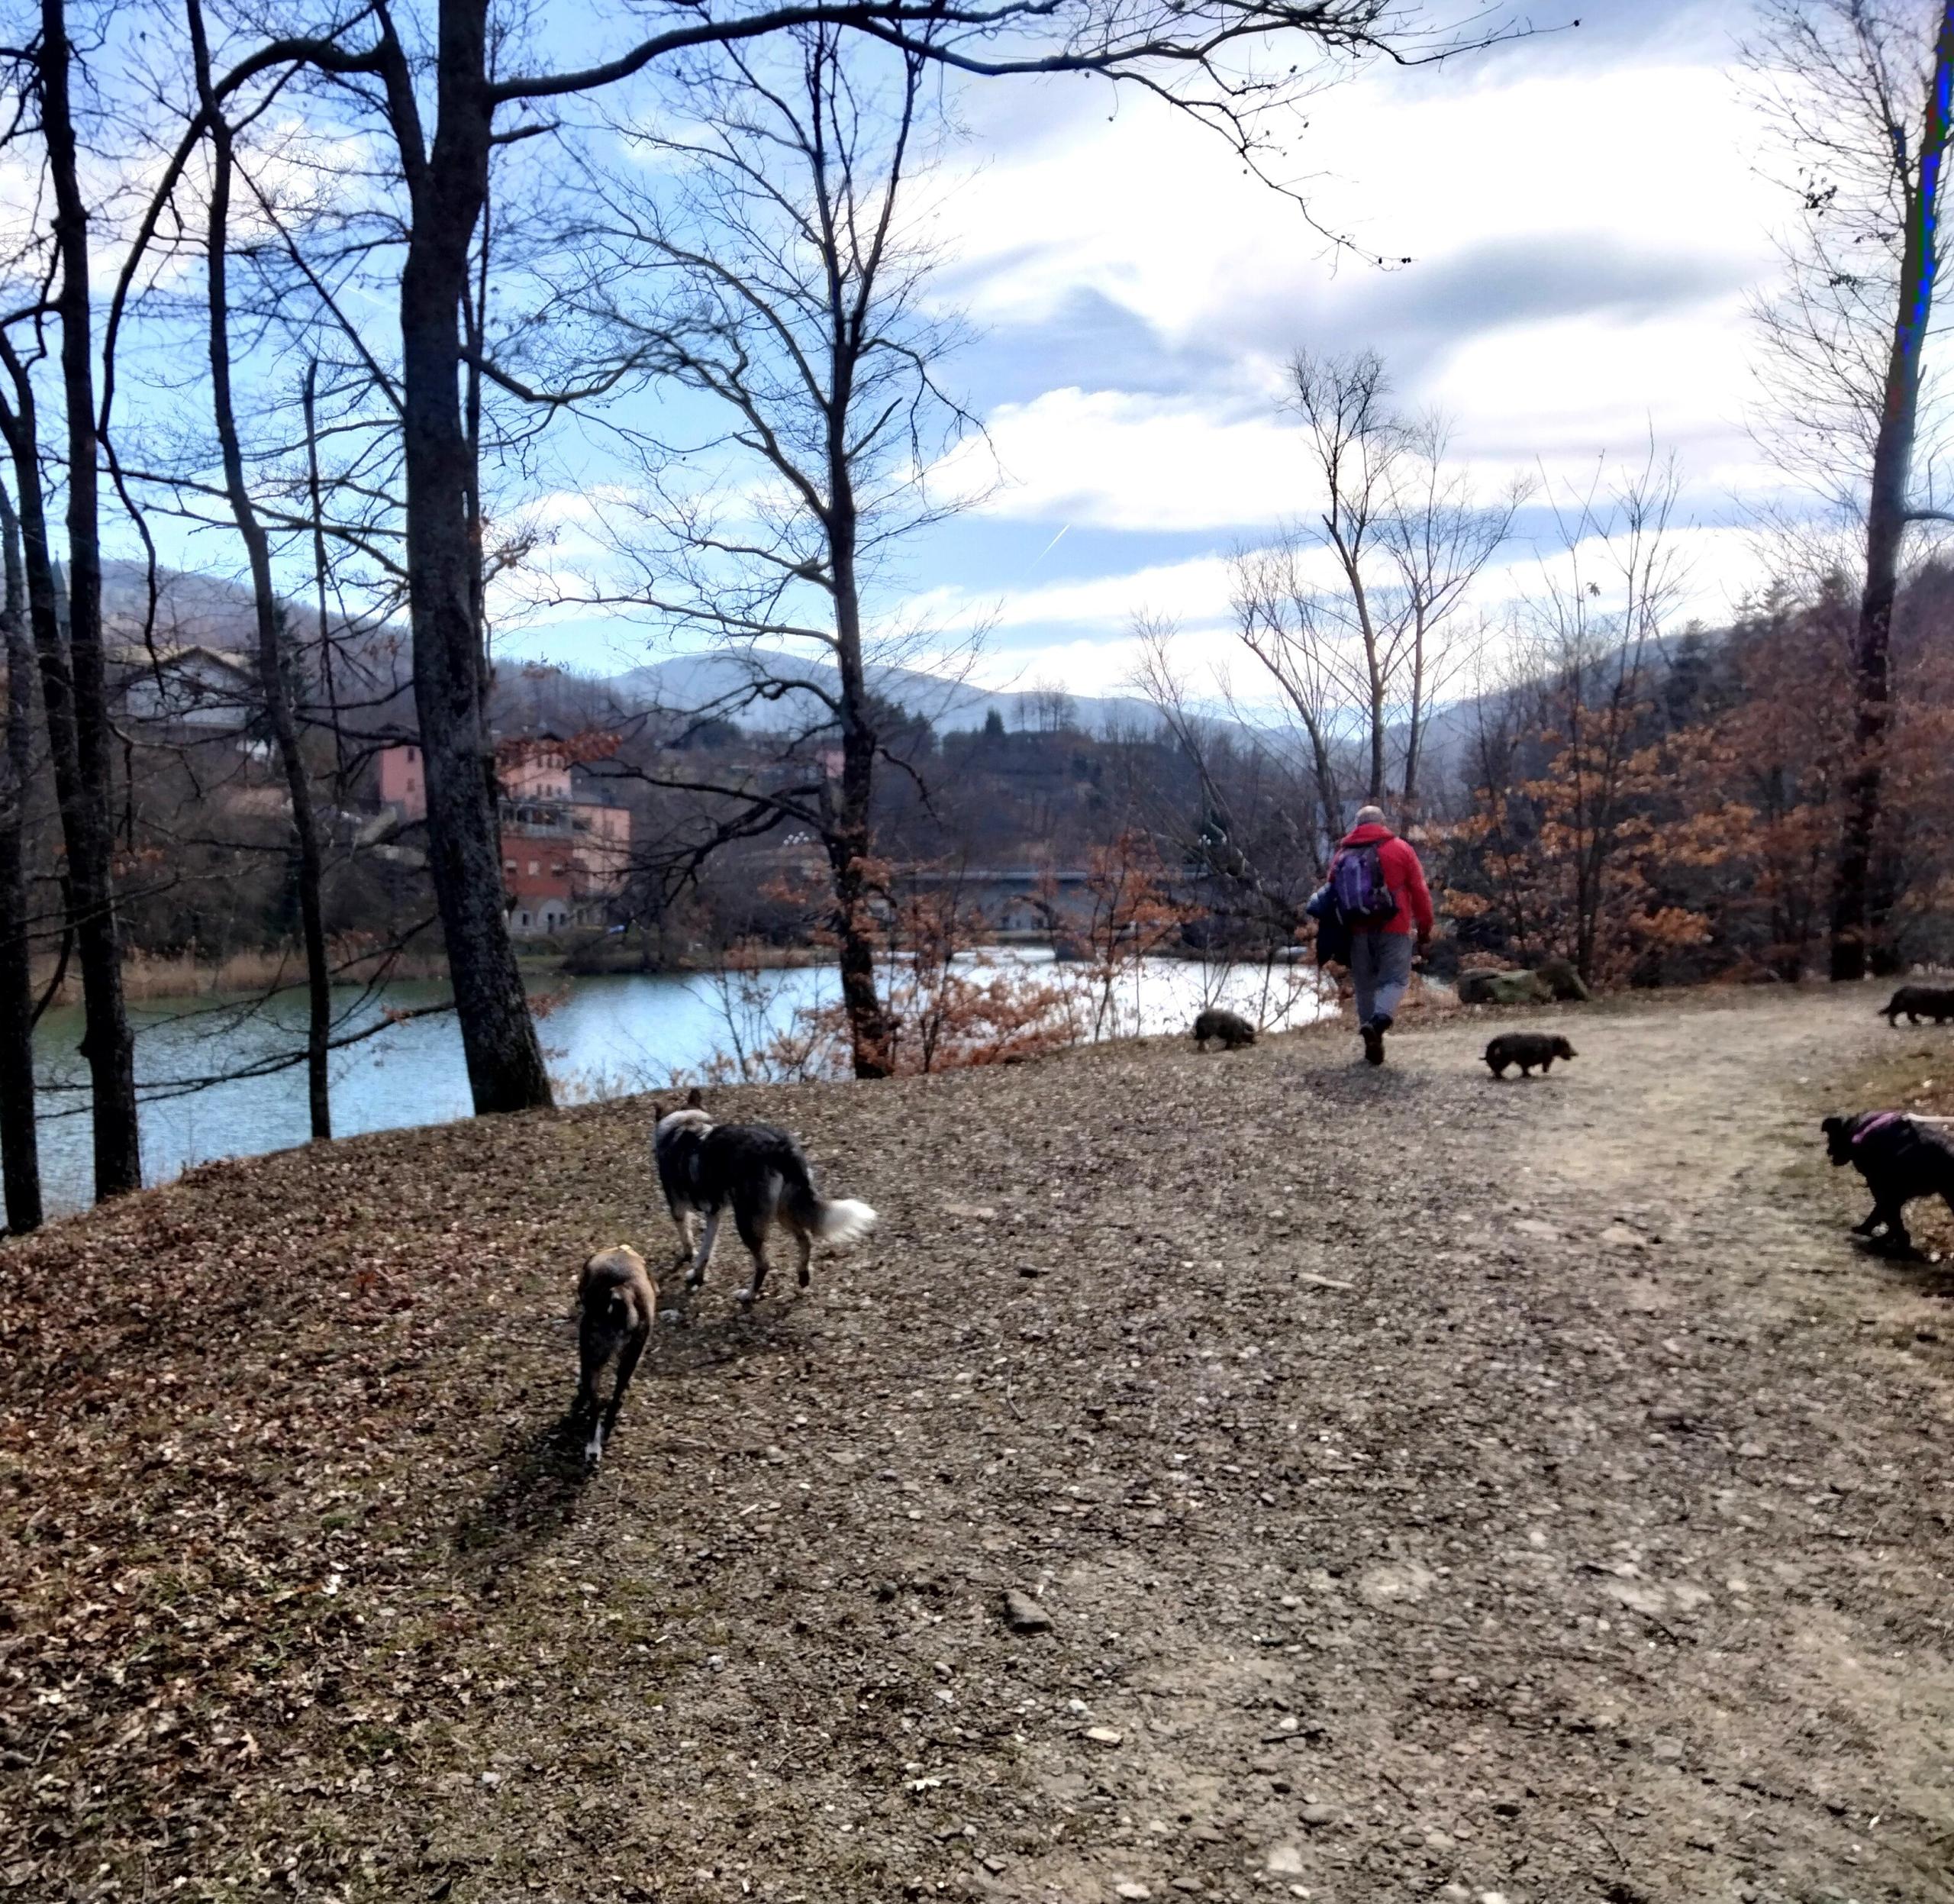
1502	988
1562	981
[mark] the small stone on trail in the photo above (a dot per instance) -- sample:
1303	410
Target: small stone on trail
982	1212
1104	1734
1316	1814
1023	1615
1031	1269
1130	1887
1284	1861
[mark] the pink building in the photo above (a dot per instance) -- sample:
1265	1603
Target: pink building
528	772
402	777
564	859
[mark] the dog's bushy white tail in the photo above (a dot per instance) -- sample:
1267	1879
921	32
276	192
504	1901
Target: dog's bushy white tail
843	1221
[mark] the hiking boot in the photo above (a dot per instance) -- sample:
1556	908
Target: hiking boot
1373	1036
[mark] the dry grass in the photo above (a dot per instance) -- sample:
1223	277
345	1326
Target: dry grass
147	977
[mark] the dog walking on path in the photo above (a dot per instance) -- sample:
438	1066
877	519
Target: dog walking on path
617	1303
758	1171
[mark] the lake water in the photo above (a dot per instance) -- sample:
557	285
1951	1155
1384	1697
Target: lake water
607	1037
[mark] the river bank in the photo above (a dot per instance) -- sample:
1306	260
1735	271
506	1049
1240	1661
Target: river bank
156	978
218	1076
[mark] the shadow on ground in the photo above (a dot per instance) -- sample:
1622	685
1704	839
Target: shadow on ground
539	1478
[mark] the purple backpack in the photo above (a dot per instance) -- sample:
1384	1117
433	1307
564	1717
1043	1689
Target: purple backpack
1357	882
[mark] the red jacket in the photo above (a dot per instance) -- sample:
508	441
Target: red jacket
1402	873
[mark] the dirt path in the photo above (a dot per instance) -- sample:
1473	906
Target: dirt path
1437	1488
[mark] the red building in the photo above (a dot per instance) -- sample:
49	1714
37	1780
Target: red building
564	856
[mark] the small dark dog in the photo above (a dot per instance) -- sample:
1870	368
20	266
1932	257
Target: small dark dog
1899	1161
1919	1001
617	1301
759	1171
1525	1049
1232	1030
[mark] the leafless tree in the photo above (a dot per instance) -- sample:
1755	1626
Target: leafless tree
770	272
1581	665
1858	94
68	627
273	644
1251	842
20	1157
1438	535
1360	617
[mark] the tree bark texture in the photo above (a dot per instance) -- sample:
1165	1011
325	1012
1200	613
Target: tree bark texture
448	188
87	810
270	615
1887	507
20	1155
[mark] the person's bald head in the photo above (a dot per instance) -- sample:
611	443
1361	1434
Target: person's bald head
1371	816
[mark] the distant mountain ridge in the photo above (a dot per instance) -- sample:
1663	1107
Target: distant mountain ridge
692	681
213	611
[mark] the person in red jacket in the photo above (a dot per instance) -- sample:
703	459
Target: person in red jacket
1381	954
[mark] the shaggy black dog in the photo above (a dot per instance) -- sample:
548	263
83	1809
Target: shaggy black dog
1233	1032
1525	1049
1919	1001
1899	1161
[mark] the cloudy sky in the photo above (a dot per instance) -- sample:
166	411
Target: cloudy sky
1585	223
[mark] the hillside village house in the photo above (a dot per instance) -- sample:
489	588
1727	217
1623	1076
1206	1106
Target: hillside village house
185	688
565	855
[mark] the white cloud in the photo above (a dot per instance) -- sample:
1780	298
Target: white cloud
1107	459
1566	305
1151	213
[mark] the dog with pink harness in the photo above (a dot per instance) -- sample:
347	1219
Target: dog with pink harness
1900	1159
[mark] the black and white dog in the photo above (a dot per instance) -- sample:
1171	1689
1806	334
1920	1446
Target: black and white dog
756	1170
1900	1160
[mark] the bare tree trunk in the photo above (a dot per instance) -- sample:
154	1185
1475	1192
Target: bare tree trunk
505	1069
1376	795
270	614
19	1154
1886	524
1415	724
88	814
847	842
315	494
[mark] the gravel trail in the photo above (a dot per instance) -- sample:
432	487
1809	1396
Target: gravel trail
1420	1486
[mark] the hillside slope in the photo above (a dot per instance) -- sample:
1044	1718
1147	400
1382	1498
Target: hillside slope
1435	1487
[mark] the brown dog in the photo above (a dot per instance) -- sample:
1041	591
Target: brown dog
617	1303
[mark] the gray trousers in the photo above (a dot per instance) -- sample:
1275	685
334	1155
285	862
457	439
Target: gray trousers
1380	969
